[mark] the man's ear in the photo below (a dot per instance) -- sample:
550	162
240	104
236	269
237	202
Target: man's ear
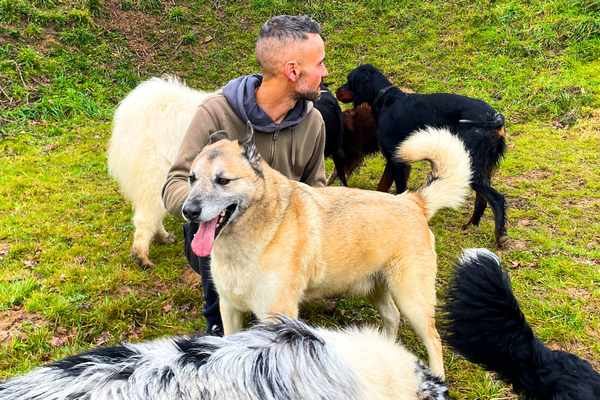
291	70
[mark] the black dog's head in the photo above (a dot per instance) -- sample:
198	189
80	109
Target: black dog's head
362	86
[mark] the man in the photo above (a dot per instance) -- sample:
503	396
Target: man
290	134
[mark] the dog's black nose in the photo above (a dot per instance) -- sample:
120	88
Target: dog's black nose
192	211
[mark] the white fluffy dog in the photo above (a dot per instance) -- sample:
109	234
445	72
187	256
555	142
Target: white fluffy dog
148	128
272	361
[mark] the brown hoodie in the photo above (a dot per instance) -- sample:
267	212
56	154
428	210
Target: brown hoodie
297	153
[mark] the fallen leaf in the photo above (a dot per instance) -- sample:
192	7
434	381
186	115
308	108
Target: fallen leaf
61	330
80	260
30	264
51	147
515	264
167	308
3	253
104	338
58	341
207	39
62	277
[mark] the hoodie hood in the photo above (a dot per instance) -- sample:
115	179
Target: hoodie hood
240	94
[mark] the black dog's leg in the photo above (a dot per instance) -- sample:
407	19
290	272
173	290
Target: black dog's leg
480	205
338	161
498	205
400	173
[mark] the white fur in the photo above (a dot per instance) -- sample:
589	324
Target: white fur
286	360
148	128
451	159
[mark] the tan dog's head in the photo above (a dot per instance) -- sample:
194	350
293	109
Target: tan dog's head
225	179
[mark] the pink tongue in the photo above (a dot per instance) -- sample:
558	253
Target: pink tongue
203	242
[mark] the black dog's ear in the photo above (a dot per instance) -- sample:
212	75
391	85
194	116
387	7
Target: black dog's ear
216	136
361	84
249	149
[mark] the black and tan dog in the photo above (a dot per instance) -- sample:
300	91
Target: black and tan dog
398	114
276	243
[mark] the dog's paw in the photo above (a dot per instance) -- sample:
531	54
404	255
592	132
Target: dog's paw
503	241
167	238
142	260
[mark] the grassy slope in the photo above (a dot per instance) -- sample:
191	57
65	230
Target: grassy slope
65	231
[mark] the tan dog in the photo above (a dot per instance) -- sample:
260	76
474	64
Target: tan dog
279	242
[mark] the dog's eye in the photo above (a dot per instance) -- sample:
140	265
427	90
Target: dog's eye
223	181
192	178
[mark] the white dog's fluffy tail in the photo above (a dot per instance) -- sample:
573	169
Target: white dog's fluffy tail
448	184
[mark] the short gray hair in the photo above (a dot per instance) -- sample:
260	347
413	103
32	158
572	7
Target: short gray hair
276	34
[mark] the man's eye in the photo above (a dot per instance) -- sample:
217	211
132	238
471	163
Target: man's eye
192	178
223	181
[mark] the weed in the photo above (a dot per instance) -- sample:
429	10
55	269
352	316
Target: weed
176	15
126	5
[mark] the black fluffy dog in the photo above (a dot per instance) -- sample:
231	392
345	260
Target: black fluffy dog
484	323
398	114
334	129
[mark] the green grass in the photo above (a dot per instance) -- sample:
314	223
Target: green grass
65	230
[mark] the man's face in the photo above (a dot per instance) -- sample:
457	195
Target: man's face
312	69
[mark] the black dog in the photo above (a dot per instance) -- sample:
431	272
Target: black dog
332	116
484	323
360	139
398	114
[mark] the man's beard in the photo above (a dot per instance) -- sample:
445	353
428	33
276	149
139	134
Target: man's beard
306	93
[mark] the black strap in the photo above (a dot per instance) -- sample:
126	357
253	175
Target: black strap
381	92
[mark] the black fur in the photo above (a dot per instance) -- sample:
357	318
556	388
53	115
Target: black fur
484	323
330	109
110	355
398	114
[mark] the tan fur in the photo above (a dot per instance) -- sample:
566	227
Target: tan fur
294	243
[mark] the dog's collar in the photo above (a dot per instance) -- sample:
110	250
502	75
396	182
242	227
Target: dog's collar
381	92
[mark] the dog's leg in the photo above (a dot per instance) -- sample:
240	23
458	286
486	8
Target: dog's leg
386	179
338	160
161	235
382	300
144	232
400	173
480	205
498	206
412	281
233	319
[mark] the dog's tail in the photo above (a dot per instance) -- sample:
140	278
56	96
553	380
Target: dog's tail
448	184
484	323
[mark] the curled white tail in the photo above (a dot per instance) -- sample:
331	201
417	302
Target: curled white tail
450	177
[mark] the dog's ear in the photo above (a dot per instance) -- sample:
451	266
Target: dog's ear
216	136
249	149
361	84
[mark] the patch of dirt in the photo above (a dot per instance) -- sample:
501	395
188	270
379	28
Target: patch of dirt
11	322
518	244
531	176
579	349
577	293
147	34
188	278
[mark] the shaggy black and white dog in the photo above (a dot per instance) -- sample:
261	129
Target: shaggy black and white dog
282	360
484	323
